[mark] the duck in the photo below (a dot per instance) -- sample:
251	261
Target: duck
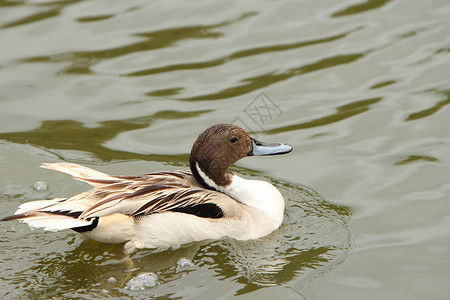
169	208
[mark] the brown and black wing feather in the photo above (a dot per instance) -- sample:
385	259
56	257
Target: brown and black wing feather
135	196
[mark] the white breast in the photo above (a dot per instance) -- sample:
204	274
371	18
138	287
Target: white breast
258	194
255	193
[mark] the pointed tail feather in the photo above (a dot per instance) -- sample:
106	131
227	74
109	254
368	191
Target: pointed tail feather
38	205
50	221
91	176
13	217
48	214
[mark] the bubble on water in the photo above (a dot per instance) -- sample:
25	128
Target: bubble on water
142	281
112	279
184	262
40	186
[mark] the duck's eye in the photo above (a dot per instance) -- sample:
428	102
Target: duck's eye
233	139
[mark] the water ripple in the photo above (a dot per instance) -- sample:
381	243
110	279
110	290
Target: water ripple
152	40
360	8
58	134
240	54
54	11
343	112
435	108
262	81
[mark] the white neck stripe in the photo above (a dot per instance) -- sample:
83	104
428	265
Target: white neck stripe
206	178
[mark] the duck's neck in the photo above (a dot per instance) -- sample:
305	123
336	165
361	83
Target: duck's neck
211	177
259	194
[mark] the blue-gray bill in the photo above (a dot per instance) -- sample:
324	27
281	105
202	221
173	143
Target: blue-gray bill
261	148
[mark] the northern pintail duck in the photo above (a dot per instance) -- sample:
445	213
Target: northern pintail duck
163	209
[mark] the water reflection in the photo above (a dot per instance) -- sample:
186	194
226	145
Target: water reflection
414	158
60	134
94	18
33	18
361	7
263	81
240	54
50	9
343	112
83	60
382	84
429	111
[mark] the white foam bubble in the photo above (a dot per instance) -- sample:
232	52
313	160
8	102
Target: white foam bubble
184	262
141	281
40	186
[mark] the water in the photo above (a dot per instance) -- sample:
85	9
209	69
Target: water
359	88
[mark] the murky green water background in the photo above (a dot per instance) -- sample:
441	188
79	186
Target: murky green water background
359	88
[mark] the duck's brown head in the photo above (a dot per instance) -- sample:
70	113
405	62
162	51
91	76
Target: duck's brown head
220	146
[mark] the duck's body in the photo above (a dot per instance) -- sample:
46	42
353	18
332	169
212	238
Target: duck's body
168	208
